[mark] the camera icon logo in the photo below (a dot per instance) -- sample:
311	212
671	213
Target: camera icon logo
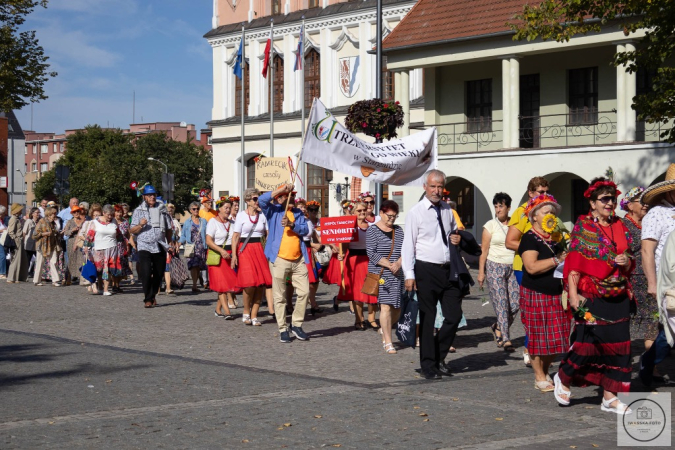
644	413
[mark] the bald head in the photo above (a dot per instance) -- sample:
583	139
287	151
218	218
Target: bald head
73	202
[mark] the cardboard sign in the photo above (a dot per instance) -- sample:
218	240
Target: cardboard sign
271	172
338	230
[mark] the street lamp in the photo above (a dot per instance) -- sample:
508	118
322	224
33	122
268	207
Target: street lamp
166	169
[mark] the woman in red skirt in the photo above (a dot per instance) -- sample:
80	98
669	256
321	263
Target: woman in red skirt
253	270
597	270
543	316
355	271
222	279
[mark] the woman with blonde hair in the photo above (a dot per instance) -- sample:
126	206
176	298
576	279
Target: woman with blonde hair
46	236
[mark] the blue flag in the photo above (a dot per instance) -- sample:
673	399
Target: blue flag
238	63
301	48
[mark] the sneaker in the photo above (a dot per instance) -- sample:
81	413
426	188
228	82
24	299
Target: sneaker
285	337
298	333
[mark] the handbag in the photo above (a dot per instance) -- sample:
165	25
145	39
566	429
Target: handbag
7	240
371	285
323	256
88	271
406	329
179	272
189	250
213	258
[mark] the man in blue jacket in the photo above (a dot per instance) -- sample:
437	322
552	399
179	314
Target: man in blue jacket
287	256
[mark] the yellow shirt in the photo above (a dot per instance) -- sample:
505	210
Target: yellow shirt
289	249
460	225
522	223
207	214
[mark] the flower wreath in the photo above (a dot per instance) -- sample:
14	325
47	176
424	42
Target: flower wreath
300	200
536	201
598	185
313	204
631	195
223	199
366	194
235	199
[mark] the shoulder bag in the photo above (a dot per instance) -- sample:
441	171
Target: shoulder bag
213	258
371	285
324	255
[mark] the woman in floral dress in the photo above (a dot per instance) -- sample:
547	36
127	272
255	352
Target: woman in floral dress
194	232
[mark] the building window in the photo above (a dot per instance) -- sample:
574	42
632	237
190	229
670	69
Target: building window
583	96
313	4
479	105
250	173
43	167
312	77
34	167
237	93
276	7
387	81
44	148
34	150
278	84
317	187
209	140
61	147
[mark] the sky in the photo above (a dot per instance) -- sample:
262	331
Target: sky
103	50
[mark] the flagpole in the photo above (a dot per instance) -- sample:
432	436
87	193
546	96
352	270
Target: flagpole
271	71
303	166
242	182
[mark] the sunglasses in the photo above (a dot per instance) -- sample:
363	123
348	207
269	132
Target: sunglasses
194	209
542	192
255	199
606	199
360	210
369	203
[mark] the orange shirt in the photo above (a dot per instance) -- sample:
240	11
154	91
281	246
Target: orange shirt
207	214
289	249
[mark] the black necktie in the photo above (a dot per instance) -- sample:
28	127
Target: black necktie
440	222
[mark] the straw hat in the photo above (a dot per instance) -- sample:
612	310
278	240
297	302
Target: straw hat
16	208
651	194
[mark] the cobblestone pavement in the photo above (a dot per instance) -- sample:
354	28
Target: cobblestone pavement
83	371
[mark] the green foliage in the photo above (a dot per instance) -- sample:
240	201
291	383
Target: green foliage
103	163
23	64
44	187
375	118
561	19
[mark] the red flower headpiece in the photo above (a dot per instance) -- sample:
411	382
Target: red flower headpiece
366	194
598	185
235	199
222	200
313	204
539	200
300	200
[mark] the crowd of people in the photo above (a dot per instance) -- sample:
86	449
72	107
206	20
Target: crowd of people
583	295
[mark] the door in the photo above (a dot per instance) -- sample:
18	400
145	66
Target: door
529	111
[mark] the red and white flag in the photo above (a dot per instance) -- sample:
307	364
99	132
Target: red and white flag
268	50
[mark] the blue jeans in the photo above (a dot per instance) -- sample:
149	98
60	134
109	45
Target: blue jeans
3	261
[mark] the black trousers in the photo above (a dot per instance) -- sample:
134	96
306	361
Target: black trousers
151	267
433	285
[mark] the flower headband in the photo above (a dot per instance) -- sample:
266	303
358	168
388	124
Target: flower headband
598	185
300	200
223	200
631	195
313	204
536	201
366	194
235	199
347	204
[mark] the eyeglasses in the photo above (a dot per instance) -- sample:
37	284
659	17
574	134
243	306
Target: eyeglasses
360	210
194	209
606	199
370	202
542	191
392	216
255	199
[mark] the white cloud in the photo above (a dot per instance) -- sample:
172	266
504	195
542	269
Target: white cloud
75	47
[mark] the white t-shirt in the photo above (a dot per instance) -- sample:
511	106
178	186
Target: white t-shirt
361	243
498	252
244	224
370	224
106	235
308	236
220	231
657	225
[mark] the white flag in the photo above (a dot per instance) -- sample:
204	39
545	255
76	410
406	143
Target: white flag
403	161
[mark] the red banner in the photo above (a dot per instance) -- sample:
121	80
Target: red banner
337	230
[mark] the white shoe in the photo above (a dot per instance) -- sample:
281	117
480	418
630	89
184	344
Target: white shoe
621	408
559	390
107	293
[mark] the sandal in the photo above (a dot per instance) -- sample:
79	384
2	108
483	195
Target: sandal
495	329
360	326
255	322
621	408
375	326
229	317
526	359
246	318
389	348
560	390
544	386
508	347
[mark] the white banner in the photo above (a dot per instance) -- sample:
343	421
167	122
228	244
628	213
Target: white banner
399	162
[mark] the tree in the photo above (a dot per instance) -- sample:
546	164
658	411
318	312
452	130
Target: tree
562	19
103	163
23	64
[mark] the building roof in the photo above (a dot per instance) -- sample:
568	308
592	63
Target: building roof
437	21
14	130
296	16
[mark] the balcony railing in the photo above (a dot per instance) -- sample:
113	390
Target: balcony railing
543	131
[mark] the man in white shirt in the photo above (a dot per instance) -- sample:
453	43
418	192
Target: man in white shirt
429	229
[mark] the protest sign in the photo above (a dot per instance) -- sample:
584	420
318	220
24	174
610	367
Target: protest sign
271	172
338	230
404	161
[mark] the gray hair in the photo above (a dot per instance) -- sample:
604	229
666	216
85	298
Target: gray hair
3	209
250	193
108	209
194	205
434	174
85	206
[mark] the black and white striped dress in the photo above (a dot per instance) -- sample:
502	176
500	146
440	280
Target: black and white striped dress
378	245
